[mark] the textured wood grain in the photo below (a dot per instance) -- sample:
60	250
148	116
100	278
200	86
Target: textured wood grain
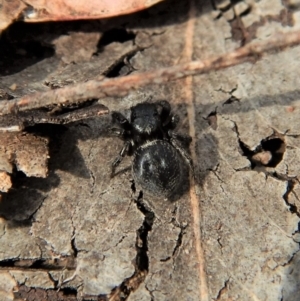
233	236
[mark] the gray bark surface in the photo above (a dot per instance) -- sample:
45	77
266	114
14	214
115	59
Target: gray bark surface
82	231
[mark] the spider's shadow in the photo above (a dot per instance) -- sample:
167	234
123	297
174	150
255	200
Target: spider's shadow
28	193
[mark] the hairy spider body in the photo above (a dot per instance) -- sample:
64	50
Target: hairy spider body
160	164
159	168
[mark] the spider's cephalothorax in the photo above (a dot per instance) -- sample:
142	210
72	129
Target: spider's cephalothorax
160	164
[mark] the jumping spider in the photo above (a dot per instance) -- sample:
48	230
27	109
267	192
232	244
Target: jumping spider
160	164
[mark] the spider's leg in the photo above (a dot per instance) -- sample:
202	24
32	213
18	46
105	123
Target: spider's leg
185	139
120	157
117	132
121	120
173	122
165	112
175	142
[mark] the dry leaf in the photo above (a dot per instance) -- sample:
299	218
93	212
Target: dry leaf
58	10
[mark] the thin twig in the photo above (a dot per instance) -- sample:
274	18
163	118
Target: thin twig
120	86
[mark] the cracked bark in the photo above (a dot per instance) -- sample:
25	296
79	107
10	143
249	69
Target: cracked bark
98	238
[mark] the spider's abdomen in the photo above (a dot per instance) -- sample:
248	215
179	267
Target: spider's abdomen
160	169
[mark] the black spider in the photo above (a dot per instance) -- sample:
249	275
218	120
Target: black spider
160	164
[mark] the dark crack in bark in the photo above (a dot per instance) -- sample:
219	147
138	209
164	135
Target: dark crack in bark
178	244
122	66
54	264
288	261
269	153
212	119
92	182
220	244
222	291
31	216
230	100
215	172
129	285
36	294
112	35
74	248
142	260
289	189
54	281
